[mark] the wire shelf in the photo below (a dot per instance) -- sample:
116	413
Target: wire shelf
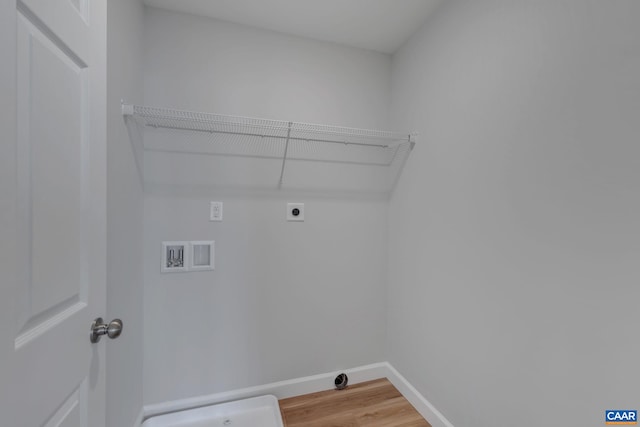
278	144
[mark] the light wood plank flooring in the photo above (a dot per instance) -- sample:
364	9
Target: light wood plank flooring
374	403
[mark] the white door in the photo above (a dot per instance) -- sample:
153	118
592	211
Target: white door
52	220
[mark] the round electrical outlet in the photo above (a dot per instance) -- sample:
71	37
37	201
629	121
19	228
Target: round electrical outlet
295	211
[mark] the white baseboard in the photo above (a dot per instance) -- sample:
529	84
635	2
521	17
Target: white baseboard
281	389
422	405
311	384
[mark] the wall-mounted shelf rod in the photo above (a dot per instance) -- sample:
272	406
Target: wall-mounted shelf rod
253	153
262	135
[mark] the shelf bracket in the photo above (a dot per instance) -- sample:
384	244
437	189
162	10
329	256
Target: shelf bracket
284	158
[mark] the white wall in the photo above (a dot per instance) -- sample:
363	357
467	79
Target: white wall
201	64
286	299
124	217
514	232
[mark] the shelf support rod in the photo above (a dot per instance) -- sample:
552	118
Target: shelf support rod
284	158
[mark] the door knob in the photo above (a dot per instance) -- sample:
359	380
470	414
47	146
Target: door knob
113	329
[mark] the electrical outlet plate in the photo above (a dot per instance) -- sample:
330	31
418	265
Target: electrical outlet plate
215	211
295	211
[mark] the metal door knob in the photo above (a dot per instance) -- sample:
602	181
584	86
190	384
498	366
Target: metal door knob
98	329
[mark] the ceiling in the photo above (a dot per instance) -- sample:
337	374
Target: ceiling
381	25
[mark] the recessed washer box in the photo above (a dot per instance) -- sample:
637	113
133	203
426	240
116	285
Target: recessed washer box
175	257
295	211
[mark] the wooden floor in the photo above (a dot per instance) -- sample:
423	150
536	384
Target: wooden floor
374	403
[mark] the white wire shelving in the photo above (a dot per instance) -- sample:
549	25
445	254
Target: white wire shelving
193	148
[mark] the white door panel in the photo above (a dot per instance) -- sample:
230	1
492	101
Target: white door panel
53	284
65	21
50	176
